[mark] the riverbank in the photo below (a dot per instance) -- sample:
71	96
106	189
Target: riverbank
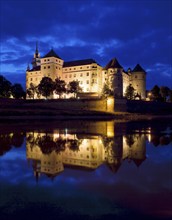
6	115
11	109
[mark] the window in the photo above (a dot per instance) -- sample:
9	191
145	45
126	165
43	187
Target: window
80	67
87	73
70	76
81	82
87	67
74	68
81	74
48	60
45	60
48	67
74	75
66	76
44	67
30	79
87	81
135	77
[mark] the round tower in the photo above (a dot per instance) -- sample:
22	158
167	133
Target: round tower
114	70
138	81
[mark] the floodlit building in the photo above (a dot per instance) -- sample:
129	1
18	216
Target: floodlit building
91	76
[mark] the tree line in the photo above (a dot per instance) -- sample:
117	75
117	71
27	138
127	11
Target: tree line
7	89
48	87
157	93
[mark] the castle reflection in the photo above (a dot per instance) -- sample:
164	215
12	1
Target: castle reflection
84	145
89	147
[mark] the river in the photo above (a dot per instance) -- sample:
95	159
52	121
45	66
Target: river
86	170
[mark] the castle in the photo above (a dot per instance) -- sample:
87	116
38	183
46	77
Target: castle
91	76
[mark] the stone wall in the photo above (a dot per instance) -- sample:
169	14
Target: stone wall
74	104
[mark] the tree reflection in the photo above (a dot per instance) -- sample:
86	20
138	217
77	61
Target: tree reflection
7	141
130	140
46	144
74	144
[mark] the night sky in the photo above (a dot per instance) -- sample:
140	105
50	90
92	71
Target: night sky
132	31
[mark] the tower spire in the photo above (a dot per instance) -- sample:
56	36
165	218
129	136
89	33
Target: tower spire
36	51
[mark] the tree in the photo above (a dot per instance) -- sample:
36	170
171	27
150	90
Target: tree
164	91
156	93
106	91
46	87
170	95
59	87
17	91
73	87
5	87
129	93
32	91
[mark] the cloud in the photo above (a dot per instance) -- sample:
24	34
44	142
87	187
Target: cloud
133	31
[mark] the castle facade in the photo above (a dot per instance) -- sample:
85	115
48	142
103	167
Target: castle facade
91	76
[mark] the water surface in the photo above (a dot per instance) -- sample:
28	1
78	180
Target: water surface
86	170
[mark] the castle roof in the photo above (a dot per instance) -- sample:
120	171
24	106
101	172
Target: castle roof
36	68
113	64
138	162
79	62
138	68
51	53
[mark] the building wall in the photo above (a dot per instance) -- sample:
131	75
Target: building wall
89	76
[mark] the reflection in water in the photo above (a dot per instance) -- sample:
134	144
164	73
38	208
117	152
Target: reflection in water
85	145
9	140
52	152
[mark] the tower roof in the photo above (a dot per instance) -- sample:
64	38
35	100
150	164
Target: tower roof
51	53
138	68
113	64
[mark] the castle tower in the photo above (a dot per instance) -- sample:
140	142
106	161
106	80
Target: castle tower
114	71
36	58
138	81
51	65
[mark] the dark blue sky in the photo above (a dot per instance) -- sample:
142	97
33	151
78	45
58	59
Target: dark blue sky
132	31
